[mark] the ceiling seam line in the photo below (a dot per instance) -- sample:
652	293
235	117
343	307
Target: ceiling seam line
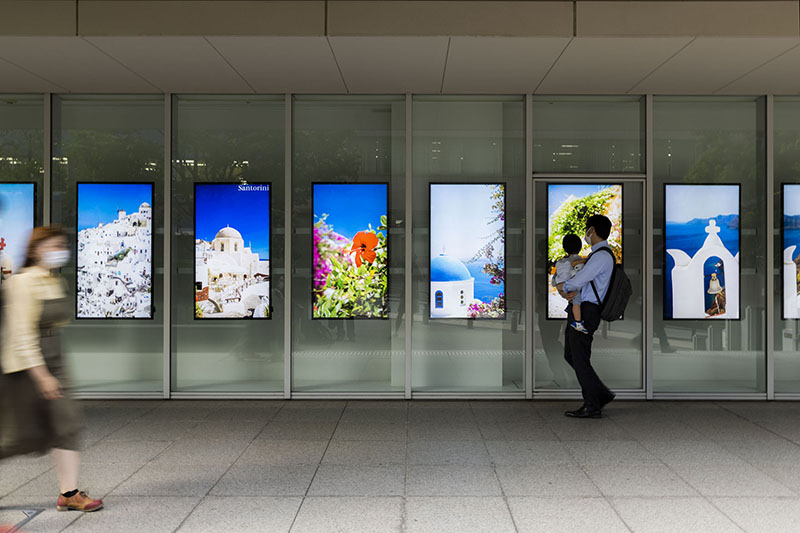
123	65
225	59
444	70
756	68
34	74
667	60
552	66
338	67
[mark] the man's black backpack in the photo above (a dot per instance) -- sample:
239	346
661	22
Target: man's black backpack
618	294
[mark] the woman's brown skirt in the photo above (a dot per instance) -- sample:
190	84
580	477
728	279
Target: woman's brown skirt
31	424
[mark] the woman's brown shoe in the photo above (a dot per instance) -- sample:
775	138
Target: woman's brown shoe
78	502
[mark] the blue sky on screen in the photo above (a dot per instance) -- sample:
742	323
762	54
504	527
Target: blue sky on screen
558	194
460	219
99	202
791	200
350	207
247	211
686	202
16	218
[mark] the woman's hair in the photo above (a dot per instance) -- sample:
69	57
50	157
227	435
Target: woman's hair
38	236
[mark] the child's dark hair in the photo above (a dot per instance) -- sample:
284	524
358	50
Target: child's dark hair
572	244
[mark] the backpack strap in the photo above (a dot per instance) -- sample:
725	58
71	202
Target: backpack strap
594	287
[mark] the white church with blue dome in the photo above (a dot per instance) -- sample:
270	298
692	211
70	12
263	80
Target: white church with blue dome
452	288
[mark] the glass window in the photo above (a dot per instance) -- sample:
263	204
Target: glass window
708	141
467	148
786	147
234	140
617	347
348	156
21	142
588	134
111	139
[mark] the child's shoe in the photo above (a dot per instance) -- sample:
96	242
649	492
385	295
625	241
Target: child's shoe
578	326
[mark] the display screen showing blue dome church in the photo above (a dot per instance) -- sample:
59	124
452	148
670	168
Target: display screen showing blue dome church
791	251
115	249
467	239
231	259
702	251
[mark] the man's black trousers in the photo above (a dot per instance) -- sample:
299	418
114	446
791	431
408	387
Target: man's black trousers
578	353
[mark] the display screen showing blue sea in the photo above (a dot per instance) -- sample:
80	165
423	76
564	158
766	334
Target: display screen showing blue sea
16	223
791	217
468	226
244	208
688	210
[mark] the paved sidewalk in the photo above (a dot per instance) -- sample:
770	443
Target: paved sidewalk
424	466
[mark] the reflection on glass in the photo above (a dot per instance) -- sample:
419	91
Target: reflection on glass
476	143
716	142
228	163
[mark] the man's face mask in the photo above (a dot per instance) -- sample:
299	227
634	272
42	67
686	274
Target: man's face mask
587	237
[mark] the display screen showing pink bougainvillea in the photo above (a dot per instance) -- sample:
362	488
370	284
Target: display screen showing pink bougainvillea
350	260
468	261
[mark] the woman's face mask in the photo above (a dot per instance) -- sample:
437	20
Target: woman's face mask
55	258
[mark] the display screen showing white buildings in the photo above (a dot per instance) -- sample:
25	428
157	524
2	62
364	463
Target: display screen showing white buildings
568	207
791	251
16	224
115	244
468	261
702	251
231	261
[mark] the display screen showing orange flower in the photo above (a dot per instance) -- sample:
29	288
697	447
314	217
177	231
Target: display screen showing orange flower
350	268
364	244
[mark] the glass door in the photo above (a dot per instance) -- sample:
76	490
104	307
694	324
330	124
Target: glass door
561	207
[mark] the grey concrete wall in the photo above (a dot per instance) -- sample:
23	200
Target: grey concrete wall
523	18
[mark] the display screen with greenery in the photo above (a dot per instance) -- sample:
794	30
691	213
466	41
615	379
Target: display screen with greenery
568	207
350	264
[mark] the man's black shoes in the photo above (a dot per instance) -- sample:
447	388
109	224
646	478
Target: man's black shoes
584	412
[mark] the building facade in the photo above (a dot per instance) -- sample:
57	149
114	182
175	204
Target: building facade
644	95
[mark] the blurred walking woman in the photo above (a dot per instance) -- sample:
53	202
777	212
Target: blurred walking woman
36	412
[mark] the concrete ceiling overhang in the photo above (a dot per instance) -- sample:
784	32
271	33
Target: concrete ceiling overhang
457	47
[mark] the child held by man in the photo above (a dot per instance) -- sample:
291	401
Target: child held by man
566	268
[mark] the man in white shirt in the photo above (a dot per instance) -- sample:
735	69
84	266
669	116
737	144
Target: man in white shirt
577	345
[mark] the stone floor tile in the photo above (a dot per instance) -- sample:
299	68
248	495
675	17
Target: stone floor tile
337	480
452	480
262	480
565	514
667	515
241	514
447	452
303	430
523	452
457	515
452	430
123	514
546	480
606	452
96	479
724	480
641	480
757	515
365	453
171	480
349	430
283	452
350	514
